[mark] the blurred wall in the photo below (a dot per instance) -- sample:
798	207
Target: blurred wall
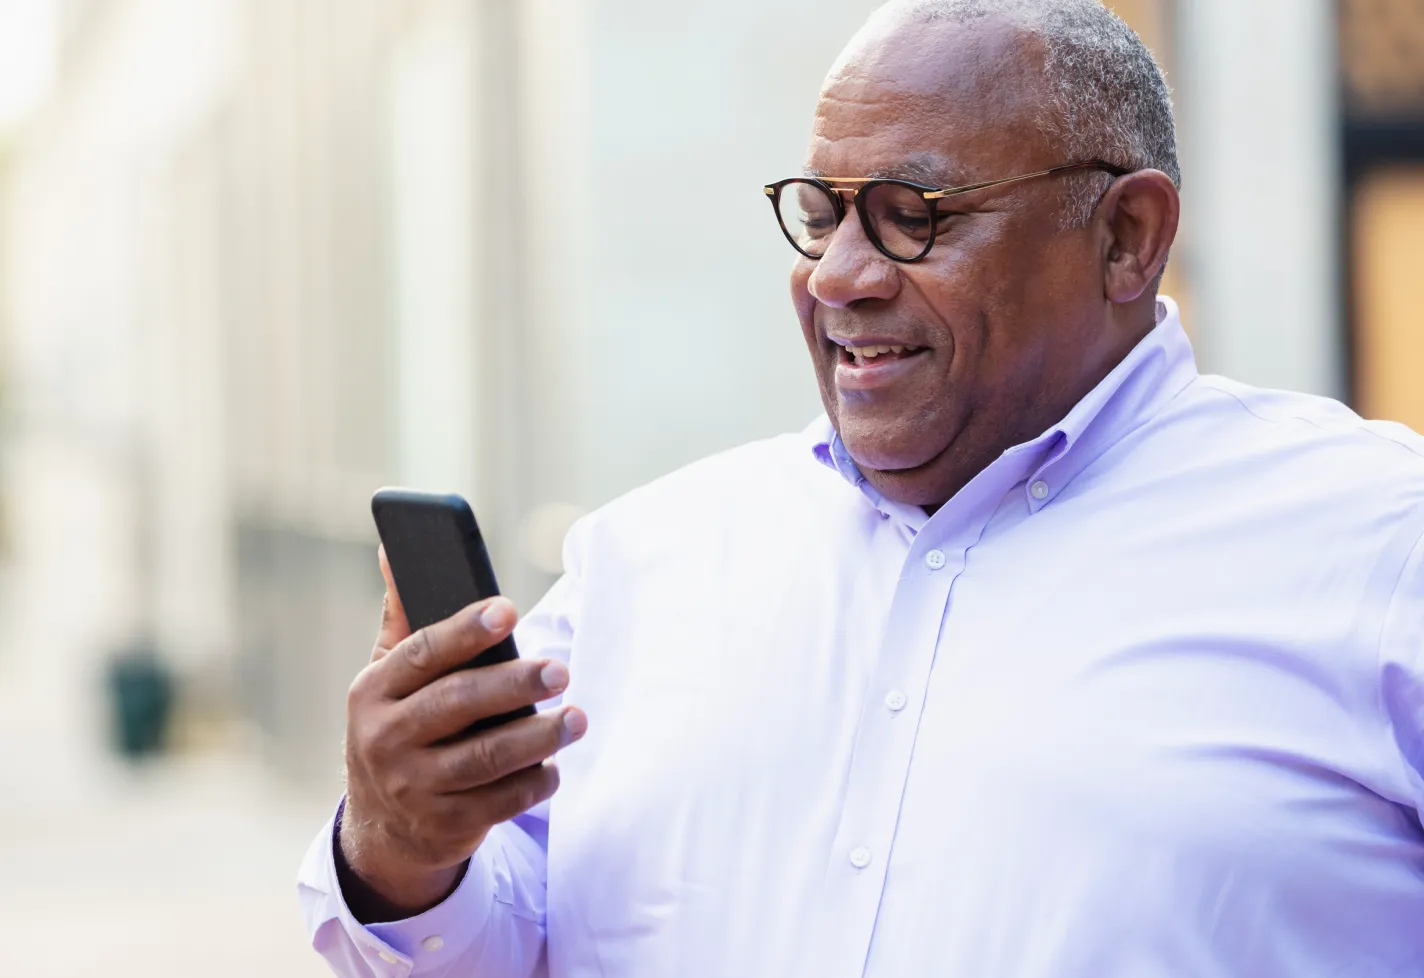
1258	92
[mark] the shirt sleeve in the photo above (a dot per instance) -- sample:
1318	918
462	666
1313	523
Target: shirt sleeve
1402	674
492	926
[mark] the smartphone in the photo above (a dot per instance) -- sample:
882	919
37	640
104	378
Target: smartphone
440	565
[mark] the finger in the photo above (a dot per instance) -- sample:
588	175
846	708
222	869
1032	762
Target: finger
452	702
499	752
510	796
380	650
422	657
394	627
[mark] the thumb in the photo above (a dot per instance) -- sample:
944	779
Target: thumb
394	627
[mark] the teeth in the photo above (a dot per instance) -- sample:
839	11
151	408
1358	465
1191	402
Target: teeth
871	352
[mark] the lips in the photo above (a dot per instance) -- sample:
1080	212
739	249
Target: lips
867	365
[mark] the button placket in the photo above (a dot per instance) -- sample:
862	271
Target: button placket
862	849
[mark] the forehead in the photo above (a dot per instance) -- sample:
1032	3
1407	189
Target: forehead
939	103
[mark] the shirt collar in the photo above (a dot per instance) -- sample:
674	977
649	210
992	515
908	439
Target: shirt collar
1155	371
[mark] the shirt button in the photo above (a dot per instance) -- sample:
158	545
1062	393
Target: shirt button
895	700
860	858
934	560
388	957
433	943
1039	490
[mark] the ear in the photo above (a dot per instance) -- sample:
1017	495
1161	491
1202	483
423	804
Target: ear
1139	222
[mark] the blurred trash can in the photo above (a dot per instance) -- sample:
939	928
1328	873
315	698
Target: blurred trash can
140	692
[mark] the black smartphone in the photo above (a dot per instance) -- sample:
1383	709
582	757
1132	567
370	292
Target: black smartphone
440	565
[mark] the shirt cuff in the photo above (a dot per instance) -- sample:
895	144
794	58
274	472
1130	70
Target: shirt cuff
426	943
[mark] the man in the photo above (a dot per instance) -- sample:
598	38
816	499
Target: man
1040	656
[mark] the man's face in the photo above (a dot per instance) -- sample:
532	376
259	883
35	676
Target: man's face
998	322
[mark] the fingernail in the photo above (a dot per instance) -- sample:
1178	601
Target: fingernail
496	616
575	723
554	676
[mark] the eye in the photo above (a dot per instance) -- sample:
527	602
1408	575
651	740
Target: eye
915	223
820	224
911	221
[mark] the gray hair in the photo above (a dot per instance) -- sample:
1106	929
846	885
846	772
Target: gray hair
1107	97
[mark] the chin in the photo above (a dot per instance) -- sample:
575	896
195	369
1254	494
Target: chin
901	451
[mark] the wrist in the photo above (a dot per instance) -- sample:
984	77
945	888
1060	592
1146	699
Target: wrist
379	890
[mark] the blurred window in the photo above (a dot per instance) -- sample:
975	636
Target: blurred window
1382	97
1388	232
1382	56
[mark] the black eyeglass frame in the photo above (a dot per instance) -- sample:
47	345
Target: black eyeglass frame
932	196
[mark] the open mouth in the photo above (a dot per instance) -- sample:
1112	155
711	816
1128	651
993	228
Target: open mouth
866	356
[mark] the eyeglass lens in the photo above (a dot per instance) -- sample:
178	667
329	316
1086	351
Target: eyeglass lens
899	218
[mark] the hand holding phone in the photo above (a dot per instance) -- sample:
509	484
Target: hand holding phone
442	740
440	565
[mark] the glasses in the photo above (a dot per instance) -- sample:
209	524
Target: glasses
900	218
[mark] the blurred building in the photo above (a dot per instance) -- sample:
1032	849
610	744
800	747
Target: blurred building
264	256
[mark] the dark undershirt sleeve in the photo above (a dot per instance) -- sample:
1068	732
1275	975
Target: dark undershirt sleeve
365	904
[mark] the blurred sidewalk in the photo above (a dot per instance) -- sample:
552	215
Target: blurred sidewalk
182	869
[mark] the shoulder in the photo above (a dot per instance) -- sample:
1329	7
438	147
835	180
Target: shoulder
1315	440
1323	419
760	472
762	487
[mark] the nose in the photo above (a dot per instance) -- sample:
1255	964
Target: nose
852	269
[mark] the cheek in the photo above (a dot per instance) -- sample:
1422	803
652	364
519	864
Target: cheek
802	300
982	287
950	305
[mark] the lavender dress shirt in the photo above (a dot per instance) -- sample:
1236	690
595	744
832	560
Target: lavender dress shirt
1145	699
